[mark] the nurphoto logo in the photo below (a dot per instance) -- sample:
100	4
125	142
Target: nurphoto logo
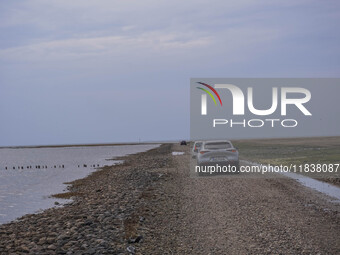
238	107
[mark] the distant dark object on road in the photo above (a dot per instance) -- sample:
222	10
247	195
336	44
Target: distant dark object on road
183	142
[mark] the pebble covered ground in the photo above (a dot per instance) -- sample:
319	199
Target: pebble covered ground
150	205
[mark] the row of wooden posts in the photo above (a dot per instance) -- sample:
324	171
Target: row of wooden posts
45	167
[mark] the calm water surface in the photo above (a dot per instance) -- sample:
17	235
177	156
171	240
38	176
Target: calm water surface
28	190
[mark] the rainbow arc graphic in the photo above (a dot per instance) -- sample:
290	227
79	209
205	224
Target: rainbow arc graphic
209	93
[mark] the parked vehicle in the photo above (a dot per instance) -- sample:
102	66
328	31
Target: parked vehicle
183	142
196	148
218	152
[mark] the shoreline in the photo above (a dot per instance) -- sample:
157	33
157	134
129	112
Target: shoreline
104	204
74	145
151	205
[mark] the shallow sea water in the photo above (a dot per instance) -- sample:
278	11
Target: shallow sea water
28	190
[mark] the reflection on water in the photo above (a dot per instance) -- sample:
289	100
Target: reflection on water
328	189
323	187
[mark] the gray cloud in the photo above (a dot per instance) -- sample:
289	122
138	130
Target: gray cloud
96	71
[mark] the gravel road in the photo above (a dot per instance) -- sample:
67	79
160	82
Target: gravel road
150	205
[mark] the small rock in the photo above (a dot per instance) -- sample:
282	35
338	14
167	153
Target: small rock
51	247
50	240
131	249
91	251
42	241
24	248
88	222
135	240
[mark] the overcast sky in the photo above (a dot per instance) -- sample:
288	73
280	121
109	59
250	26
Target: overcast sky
118	71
